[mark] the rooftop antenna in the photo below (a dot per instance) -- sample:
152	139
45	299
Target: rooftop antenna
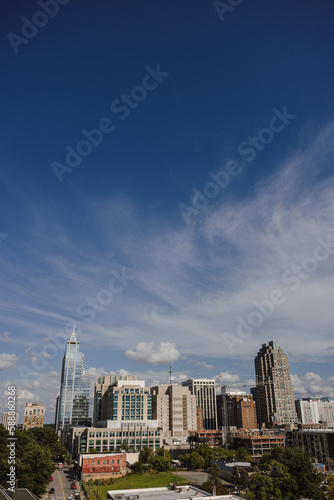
170	375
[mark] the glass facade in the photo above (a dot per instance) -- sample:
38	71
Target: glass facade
74	389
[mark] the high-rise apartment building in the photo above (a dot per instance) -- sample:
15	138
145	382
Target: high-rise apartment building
174	407
121	398
33	415
274	392
205	392
240	410
315	410
73	402
9	419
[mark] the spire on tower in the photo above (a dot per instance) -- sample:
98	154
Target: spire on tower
73	337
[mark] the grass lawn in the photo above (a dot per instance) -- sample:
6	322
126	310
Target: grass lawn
144	480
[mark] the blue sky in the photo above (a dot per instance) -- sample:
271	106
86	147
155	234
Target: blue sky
195	221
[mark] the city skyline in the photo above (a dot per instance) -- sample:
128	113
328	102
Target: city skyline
166	186
231	382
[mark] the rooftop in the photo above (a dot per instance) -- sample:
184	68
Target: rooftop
182	492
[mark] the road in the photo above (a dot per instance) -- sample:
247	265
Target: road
61	484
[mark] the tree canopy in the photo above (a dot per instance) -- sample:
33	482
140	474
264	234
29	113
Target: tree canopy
35	452
286	474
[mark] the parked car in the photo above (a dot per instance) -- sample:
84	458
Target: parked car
76	495
52	491
51	478
73	486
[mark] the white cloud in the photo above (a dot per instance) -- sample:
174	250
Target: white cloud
152	353
28	396
192	282
227	377
314	377
312	385
7	361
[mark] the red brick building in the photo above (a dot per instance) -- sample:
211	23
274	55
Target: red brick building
101	465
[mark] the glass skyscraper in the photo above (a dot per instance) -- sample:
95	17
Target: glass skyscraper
73	402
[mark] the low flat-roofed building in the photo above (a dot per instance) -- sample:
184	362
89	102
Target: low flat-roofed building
136	433
101	465
174	493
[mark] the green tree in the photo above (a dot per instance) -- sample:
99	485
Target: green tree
162	460
214	473
35	450
161	452
196	461
242	455
240	477
262	487
34	465
46	436
146	456
161	464
137	468
207	453
287	473
330	494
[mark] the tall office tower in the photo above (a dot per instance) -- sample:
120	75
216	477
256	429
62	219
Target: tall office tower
121	398
73	407
33	415
274	393
240	410
205	392
174	407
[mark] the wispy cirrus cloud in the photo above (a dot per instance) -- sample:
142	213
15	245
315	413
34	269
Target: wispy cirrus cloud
192	283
